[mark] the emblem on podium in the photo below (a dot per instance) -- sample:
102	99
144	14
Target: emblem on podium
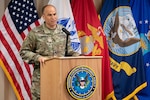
81	82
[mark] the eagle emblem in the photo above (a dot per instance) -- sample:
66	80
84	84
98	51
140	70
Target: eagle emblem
81	82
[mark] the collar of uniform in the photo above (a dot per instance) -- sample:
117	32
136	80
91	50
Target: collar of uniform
46	29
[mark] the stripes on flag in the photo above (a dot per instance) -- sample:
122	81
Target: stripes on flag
18	19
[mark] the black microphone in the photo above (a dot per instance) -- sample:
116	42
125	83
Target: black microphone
66	48
66	31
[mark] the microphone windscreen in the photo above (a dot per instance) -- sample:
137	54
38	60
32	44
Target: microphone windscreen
66	31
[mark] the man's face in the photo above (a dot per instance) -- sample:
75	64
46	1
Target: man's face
50	16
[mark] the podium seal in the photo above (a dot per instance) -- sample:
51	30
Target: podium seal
81	82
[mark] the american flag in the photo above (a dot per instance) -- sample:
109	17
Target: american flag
19	18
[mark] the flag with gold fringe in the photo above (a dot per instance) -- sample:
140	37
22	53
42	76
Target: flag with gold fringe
141	14
19	18
124	48
93	41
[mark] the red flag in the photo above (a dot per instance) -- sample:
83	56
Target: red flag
93	40
20	16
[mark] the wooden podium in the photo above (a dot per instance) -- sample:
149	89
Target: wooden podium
54	74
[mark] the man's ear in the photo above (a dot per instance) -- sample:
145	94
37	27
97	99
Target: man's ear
42	19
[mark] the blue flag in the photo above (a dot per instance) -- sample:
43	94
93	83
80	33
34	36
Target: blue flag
124	48
141	14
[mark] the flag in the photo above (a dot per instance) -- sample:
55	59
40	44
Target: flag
93	41
141	14
18	19
65	18
124	49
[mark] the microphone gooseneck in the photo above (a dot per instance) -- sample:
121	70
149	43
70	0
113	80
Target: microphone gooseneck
67	33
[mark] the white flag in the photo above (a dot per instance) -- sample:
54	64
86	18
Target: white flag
65	18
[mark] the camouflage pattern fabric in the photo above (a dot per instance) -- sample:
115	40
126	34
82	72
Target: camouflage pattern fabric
45	42
35	89
42	41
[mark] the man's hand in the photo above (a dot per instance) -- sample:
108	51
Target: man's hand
42	59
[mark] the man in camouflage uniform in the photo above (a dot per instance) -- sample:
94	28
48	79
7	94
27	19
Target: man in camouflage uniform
43	42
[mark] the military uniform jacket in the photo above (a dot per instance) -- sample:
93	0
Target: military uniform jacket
42	41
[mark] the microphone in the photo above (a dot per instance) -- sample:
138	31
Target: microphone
66	48
66	31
